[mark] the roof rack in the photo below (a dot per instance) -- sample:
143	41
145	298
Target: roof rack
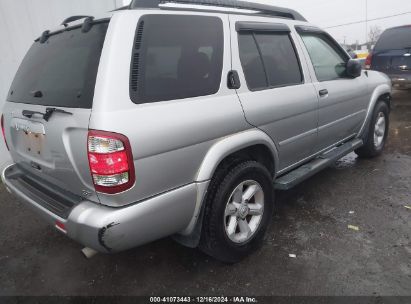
86	26
260	9
73	18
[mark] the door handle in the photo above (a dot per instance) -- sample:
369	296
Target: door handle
323	92
233	80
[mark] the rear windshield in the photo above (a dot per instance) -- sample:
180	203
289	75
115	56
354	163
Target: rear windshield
395	39
62	71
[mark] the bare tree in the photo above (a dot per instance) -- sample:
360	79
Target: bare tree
374	34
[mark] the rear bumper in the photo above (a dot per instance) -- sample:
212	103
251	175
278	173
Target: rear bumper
107	229
401	81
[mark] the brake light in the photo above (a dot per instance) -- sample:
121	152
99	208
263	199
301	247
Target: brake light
111	162
368	62
3	131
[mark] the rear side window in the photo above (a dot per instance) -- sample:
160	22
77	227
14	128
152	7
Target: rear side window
269	60
280	59
395	39
176	57
62	71
252	63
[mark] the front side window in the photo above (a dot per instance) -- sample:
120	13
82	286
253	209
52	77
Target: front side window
176	57
269	60
328	61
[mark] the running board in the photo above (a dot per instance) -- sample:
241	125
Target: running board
323	161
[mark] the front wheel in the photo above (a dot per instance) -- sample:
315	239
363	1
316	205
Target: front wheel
238	211
377	134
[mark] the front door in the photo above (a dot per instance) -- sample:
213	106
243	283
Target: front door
343	101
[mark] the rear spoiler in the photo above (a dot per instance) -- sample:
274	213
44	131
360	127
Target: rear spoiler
86	26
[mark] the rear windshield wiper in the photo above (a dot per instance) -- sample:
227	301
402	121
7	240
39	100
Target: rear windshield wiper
36	94
47	115
50	111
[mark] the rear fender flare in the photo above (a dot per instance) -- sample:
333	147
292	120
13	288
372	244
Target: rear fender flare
225	147
231	144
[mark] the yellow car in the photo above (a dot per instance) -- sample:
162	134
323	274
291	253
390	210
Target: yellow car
361	54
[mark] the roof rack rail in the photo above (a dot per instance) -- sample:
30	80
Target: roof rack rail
234	4
73	18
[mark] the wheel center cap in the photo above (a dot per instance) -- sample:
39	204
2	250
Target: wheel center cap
243	211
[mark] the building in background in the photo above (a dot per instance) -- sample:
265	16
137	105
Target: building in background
23	21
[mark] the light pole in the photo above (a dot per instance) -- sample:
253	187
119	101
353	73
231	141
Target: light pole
366	22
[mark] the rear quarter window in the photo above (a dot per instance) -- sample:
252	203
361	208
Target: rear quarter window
176	57
63	69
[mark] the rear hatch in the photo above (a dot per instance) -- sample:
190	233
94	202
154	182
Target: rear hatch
46	116
392	53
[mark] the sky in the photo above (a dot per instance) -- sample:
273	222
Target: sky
327	13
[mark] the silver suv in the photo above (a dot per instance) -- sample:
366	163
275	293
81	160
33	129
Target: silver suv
180	119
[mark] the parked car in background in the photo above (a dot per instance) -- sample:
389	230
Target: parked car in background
361	54
157	121
352	54
392	56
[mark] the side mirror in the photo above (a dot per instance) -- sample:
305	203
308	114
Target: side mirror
353	68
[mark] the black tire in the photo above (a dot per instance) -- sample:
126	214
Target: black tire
214	239
370	148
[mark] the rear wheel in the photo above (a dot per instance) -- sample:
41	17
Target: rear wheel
377	134
238	211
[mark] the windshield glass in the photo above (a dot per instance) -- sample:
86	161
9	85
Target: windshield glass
62	71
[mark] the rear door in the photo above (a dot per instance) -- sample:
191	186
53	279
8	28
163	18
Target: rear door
57	78
392	53
276	90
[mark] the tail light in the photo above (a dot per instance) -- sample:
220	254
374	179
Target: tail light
368	62
60	226
111	162
3	131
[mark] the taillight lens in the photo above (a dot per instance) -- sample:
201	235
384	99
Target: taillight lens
111	162
3	131
368	62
